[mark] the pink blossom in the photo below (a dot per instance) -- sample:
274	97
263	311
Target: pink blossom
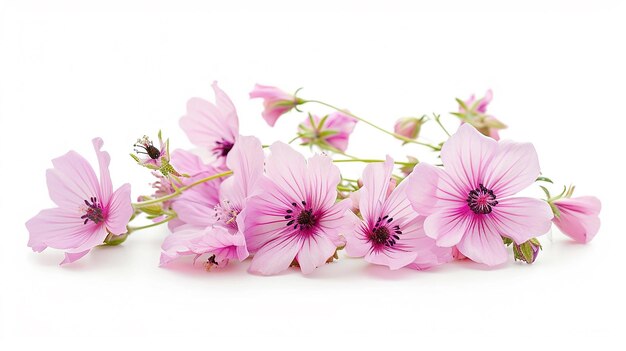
294	218
474	112
391	232
275	102
214	126
578	217
88	210
469	203
210	223
331	132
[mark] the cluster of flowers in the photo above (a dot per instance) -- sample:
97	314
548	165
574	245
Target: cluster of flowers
285	210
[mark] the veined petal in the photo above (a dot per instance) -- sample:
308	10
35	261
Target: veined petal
196	206
106	188
483	244
449	225
72	181
288	169
579	217
394	259
514	167
376	178
63	229
466	156
321	181
227	110
73	257
430	188
275	256
314	252
120	210
521	218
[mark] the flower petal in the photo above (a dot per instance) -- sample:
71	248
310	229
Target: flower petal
72	181
321	182
483	245
430	188
521	218
466	156
376	178
314	252
72	257
288	169
275	256
106	188
579	217
448	225
514	167
120	210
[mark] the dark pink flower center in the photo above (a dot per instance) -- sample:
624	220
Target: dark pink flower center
481	200
302	218
382	235
222	148
93	212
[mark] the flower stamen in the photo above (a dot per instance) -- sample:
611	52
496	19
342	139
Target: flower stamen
481	200
93	212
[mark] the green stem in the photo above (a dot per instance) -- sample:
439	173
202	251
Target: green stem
294	139
134	229
398	136
343	188
438	120
180	190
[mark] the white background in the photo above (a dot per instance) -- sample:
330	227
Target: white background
70	72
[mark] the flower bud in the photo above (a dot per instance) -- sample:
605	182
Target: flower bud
275	102
408	127
527	251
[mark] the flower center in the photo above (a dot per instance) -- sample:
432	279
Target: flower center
146	147
227	213
481	200
222	148
381	235
93	212
305	219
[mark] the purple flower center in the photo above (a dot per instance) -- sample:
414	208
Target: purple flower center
305	219
222	148
93	212
481	200
381	235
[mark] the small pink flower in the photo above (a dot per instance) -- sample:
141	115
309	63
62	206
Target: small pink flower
474	112
275	101
578	217
210	223
88	210
331	132
408	127
469	203
294	218
391	232
214	126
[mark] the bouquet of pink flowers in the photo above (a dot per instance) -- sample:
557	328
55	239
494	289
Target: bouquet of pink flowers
272	203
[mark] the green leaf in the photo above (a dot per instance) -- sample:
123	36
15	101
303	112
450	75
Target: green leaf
527	251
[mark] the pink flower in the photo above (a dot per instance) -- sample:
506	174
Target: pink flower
331	132
210	223
152	156
87	210
391	232
275	101
469	203
474	112
578	217
214	126
294	218
408	127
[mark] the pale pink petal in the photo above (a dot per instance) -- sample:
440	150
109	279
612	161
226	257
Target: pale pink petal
521	218
357	242
483	245
466	157
119	210
288	169
197	205
374	191
449	225
394	259
72	181
72	257
435	256
579	217
179	242
275	256
106	188
63	229
314	252
246	160
227	109
322	180
430	188
514	167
